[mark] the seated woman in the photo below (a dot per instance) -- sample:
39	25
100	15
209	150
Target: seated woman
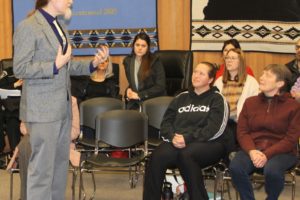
230	44
236	85
192	129
9	111
104	82
268	131
144	72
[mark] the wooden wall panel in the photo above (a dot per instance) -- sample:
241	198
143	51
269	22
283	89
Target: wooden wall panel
5	29
174	24
173	32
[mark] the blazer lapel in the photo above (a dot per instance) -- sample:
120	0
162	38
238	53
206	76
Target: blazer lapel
46	28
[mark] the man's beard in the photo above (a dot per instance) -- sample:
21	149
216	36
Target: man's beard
68	14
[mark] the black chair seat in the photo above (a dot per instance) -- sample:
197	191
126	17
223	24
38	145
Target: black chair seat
88	142
154	142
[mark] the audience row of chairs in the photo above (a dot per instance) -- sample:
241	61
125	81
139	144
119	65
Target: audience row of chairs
117	129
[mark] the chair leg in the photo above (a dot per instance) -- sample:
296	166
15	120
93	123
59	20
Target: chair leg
228	189
293	174
131	181
219	182
215	188
222	186
11	184
94	183
80	184
74	177
82	191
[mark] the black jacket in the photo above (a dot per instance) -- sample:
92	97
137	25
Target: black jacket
295	73
197	117
153	86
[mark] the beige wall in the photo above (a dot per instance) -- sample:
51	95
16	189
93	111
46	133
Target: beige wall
174	33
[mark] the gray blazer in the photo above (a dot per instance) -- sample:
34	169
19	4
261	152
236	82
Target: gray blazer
44	95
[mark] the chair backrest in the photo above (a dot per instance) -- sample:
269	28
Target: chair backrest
178	65
7	65
122	128
90	108
155	109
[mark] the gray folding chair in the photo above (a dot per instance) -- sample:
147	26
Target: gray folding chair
155	109
88	112
125	130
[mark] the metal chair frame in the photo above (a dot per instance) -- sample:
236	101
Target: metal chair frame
135	142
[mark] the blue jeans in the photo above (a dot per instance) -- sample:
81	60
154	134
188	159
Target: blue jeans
241	167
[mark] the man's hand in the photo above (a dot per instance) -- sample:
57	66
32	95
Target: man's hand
101	56
61	59
23	128
178	141
18	83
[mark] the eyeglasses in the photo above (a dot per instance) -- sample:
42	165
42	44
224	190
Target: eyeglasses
231	58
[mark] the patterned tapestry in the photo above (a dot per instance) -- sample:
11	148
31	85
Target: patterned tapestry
259	25
109	22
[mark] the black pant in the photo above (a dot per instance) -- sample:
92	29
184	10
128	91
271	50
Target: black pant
2	141
12	127
189	160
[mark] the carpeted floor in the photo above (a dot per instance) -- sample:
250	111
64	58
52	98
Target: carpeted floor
116	187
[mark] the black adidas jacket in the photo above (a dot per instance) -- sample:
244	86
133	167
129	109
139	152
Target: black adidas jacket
197	117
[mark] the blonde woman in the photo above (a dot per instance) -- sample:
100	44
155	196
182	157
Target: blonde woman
103	82
235	84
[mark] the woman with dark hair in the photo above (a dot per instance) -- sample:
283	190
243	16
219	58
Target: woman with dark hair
268	132
145	73
192	130
230	44
42	58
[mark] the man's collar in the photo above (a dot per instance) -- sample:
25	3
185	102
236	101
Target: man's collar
48	17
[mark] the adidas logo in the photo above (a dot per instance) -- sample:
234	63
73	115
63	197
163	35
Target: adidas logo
193	108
